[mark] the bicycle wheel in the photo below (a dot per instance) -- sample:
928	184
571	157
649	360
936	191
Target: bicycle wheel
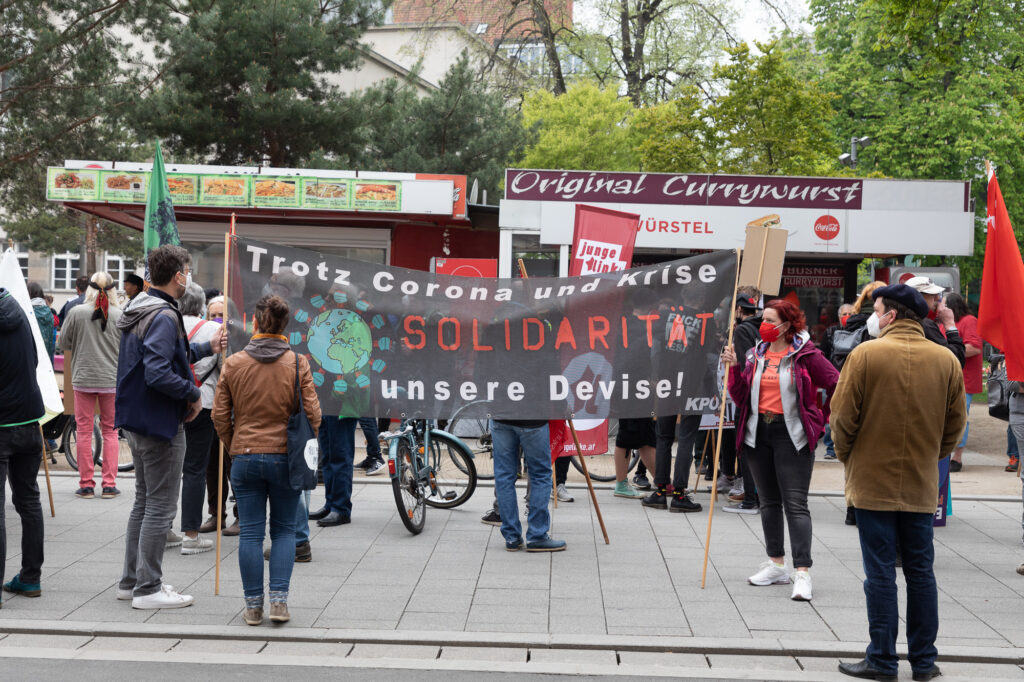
454	473
409	494
475	432
69	443
602	467
124	453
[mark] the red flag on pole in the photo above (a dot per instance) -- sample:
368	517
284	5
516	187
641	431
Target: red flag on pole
1002	285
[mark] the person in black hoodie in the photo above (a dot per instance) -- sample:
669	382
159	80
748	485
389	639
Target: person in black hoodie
745	335
21	444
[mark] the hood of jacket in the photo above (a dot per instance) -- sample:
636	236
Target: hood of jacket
139	313
267	347
855	322
11	314
801	344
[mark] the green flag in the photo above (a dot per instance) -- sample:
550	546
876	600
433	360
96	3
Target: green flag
161	227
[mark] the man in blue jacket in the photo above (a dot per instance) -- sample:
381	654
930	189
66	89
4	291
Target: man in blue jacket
21	444
156	393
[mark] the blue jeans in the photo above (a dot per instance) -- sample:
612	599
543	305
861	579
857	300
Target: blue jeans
1011	443
881	532
255	480
302	518
830	446
507	439
368	425
337	452
967	426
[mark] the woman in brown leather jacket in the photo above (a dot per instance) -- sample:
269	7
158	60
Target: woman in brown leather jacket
255	398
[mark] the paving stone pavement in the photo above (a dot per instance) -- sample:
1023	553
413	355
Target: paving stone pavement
455	583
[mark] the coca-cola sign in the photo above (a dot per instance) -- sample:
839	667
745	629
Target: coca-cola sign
683	189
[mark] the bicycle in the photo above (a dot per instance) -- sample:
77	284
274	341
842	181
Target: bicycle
69	439
445	478
475	431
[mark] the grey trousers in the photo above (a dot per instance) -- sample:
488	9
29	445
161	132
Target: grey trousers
157	483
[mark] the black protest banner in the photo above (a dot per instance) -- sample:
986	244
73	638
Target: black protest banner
386	341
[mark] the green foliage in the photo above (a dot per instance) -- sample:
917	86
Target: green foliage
938	86
586	128
461	128
246	81
66	82
677	135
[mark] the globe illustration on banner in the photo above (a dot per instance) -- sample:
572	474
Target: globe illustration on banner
339	341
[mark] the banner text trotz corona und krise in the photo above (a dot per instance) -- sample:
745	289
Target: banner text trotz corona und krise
386	341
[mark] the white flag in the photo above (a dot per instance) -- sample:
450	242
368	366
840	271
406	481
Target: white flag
12	280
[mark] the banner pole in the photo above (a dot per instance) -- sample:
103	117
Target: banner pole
721	417
554	471
590	483
220	443
46	469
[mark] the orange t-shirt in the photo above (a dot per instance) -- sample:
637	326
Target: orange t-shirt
769	397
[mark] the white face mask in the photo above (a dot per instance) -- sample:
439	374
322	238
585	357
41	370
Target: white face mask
188	279
874	324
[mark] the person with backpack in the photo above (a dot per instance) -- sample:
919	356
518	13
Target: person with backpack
91	334
199	433
44	317
967	325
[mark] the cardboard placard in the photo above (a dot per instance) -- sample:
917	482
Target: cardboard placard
763	253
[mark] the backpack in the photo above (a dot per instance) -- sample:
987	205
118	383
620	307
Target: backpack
844	341
999	392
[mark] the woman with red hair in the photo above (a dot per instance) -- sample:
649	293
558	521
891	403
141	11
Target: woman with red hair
778	424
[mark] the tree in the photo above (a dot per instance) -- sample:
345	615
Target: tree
586	128
938	91
462	127
767	121
66	82
248	82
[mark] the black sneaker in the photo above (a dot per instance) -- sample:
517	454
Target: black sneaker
641	482
492	518
682	503
85	493
110	492
366	462
658	499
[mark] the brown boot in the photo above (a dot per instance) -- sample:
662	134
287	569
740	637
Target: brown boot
209	525
231	530
255	616
279	612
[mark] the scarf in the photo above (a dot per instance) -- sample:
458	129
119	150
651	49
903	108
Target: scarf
102	304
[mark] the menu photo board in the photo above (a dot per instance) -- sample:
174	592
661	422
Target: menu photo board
224	190
124	186
72	184
275	191
377	195
184	189
326	193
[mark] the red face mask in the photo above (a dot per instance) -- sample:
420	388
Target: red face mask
843	319
769	331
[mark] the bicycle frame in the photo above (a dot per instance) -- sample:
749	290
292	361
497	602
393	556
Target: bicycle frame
422	463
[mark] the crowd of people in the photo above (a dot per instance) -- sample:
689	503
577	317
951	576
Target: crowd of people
887	390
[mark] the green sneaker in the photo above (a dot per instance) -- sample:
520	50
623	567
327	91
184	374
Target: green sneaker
624	489
27	589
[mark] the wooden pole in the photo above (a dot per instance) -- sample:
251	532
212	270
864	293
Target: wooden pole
590	484
46	469
554	470
220	443
721	416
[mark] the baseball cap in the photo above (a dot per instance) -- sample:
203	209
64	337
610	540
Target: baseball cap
748	302
924	285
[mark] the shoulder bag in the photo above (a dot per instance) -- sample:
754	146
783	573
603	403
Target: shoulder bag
303	449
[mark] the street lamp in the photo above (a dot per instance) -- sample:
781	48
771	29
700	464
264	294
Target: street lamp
855	144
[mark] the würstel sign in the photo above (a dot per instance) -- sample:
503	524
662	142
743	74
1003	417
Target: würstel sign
700	211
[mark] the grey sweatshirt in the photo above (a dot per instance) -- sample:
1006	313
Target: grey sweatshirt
93	351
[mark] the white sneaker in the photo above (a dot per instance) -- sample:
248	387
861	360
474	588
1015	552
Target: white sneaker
196	545
376	467
801	586
737	486
563	494
173	539
126	595
770	573
166	598
724	484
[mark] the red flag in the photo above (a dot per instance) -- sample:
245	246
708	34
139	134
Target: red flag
1002	284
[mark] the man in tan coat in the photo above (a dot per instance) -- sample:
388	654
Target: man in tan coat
898	409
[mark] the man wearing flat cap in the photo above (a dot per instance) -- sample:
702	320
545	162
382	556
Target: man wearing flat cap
898	408
942	330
